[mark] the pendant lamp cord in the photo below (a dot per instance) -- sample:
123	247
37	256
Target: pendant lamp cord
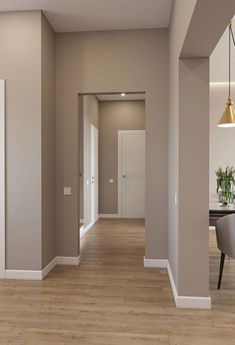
229	58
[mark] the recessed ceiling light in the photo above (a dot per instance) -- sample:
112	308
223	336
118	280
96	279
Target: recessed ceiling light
123	94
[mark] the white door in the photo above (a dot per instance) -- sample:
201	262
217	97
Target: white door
132	174
2	178
94	174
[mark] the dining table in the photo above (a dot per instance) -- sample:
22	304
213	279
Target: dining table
218	210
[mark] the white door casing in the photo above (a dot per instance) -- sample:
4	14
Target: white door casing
2	178
94	174
131	174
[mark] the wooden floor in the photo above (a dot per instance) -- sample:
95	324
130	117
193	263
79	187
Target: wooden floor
112	300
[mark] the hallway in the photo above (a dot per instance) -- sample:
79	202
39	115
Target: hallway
112	300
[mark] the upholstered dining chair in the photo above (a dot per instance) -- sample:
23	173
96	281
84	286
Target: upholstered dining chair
225	234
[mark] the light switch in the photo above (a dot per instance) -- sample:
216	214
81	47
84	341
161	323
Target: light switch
176	199
87	182
67	191
111	180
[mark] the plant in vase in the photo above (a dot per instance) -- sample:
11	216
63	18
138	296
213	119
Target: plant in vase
225	184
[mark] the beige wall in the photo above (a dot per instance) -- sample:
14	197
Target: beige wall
114	116
28	65
21	67
48	144
222	140
193	177
189	138
110	62
180	19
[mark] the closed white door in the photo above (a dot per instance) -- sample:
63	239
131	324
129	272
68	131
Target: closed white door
94	174
132	173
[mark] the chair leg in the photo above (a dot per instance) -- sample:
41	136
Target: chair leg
222	257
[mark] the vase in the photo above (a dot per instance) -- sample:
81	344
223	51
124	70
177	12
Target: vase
225	192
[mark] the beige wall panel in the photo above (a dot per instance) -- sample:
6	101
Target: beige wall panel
48	144
20	51
108	62
114	116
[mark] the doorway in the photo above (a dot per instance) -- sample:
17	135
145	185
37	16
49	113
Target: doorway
131	179
110	121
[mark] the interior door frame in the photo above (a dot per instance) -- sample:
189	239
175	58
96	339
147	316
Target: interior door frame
2	179
94	130
120	134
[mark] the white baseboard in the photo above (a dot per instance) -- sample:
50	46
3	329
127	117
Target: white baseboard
186	302
212	227
68	260
39	275
111	215
155	263
49	267
23	275
83	230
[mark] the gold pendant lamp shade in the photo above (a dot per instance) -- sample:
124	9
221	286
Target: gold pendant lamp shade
228	117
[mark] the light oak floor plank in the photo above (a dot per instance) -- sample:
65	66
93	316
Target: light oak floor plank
111	299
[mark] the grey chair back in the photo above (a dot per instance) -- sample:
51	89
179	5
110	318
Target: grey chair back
225	233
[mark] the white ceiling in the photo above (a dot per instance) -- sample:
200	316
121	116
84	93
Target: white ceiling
219	59
118	97
96	15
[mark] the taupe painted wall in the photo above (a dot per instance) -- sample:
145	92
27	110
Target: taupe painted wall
193	177
114	116
90	117
20	51
189	83
180	19
28	64
222	140
108	62
48	144
189	138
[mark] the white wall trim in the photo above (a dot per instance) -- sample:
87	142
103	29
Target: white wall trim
155	263
119	174
68	260
109	215
2	178
23	275
186	302
40	275
49	267
120	134
83	230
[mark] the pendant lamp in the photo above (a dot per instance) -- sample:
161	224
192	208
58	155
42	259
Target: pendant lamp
228	117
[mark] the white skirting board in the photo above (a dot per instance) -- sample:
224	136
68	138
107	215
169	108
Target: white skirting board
83	230
39	275
67	260
155	263
111	215
186	302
